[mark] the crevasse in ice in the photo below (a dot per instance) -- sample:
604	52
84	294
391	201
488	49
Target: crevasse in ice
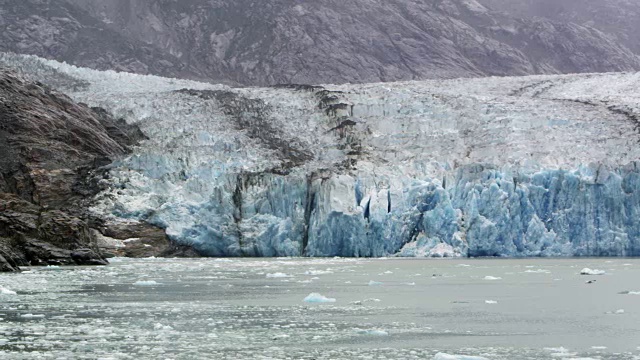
531	166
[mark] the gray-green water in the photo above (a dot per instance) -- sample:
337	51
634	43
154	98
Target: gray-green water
384	309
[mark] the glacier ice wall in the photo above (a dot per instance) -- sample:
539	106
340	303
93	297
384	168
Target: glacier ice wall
533	166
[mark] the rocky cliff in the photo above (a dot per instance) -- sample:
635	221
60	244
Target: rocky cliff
53	152
328	41
617	18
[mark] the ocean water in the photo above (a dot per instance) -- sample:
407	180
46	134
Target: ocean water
355	309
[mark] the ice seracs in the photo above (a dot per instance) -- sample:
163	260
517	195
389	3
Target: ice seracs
531	166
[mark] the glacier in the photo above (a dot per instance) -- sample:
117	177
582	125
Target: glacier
526	166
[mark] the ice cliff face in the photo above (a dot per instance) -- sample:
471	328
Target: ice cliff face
533	166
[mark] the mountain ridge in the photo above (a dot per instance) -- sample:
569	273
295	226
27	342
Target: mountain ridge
286	41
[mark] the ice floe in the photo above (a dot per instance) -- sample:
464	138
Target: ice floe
318	298
373	332
492	278
5	291
278	275
444	356
587	271
146	283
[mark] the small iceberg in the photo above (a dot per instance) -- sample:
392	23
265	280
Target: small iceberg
372	300
374	283
443	356
317	272
538	271
492	278
145	283
372	332
32	316
617	312
587	271
278	275
5	291
318	299
490	302
159	326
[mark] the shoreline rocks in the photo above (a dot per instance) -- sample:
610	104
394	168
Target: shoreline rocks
54	150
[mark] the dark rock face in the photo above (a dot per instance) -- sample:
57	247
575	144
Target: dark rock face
320	41
138	240
51	148
618	18
62	31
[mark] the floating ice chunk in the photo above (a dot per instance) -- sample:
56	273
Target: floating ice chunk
587	271
463	265
617	312
5	291
443	356
538	271
492	278
388	272
374	283
318	298
410	283
372	300
490	302
373	332
358	302
146	283
278	275
561	352
630	293
599	347
159	326
32	316
223	260
317	272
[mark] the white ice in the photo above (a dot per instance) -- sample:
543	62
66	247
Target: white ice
444	356
587	271
318	298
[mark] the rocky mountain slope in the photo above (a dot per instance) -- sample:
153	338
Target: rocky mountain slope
525	166
52	151
618	18
287	41
63	31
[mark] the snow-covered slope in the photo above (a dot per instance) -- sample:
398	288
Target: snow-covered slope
531	166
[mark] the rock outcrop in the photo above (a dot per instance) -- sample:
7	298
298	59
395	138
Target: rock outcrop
311	41
52	150
618	18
